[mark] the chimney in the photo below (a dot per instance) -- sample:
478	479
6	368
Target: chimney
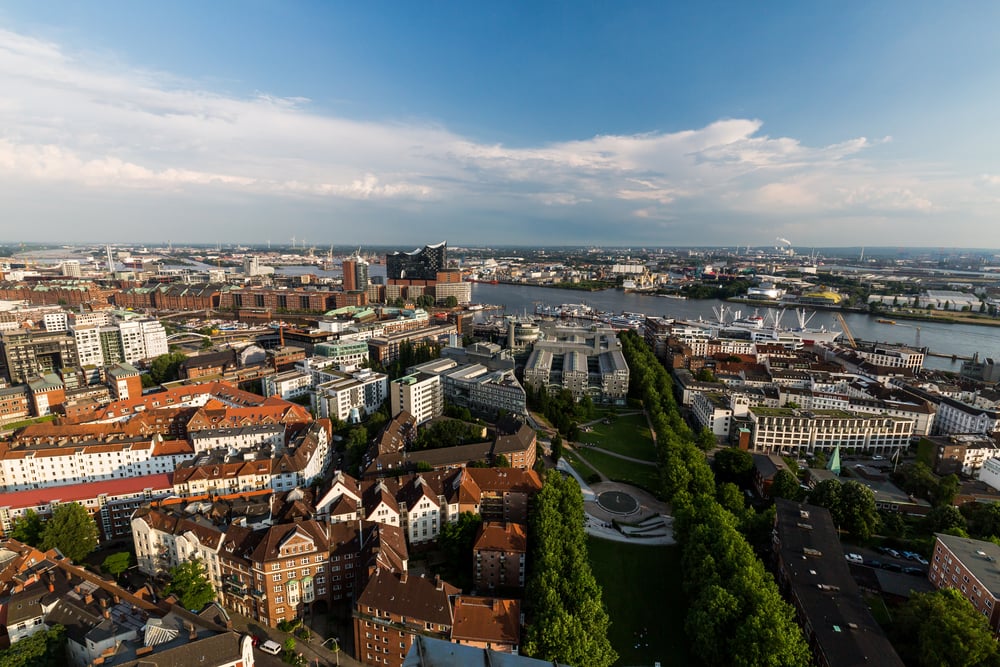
438	584
107	614
52	586
104	603
402	578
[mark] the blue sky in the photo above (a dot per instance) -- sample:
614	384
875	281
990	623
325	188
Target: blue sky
852	123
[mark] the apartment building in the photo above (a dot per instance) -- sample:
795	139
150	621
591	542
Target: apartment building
348	397
498	555
420	394
393	609
970	567
781	430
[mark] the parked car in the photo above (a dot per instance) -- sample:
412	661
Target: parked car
854	558
920	559
892	567
274	648
910	555
888	552
915	571
873	563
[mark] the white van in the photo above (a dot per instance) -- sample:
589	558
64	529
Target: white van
274	648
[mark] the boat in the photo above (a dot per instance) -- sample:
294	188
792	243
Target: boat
881	321
679	297
764	329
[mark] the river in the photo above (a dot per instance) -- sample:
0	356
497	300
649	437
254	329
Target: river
960	339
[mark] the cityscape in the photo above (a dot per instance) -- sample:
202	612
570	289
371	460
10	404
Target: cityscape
573	334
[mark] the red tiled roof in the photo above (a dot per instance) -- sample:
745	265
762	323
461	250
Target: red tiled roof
77	492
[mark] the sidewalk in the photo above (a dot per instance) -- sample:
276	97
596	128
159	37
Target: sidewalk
310	649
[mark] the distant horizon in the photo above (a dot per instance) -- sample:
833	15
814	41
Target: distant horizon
517	124
320	249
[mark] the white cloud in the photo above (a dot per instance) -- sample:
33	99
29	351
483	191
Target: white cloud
68	119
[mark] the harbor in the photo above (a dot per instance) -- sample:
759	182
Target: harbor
948	344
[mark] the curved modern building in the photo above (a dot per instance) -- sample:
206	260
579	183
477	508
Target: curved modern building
421	264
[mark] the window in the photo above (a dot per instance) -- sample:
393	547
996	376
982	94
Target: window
276	577
305	561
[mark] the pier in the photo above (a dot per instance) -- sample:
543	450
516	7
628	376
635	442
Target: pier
942	355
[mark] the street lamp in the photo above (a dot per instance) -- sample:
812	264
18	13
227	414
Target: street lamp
335	649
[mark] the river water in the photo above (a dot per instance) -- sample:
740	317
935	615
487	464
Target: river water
960	339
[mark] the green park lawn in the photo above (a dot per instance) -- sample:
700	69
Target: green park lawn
581	468
628	435
620	470
642	593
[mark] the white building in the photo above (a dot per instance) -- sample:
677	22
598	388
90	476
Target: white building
88	344
420	394
289	384
154	338
56	321
349	396
954	416
795	431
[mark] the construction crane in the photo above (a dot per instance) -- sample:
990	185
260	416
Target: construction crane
847	331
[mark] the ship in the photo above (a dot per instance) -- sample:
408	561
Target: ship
765	329
881	321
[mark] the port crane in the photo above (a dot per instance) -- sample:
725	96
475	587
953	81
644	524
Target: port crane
847	331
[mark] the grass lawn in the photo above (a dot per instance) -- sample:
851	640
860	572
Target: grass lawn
621	470
581	468
642	592
628	436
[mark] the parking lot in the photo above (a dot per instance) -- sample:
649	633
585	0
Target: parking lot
887	559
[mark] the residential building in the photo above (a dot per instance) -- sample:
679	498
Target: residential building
962	453
419	394
587	361
970	567
394	609
288	385
487	623
794	431
349	396
88	344
498	555
352	353
815	577
26	353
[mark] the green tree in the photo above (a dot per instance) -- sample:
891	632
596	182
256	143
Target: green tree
946	490
501	461
189	583
556	447
943	518
943	629
165	367
706	439
46	648
827	494
705	375
858	515
785	485
28	528
733	465
456	541
451	302
71	530
117	564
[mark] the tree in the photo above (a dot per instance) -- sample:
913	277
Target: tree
827	494
117	564
451	302
785	485
942	629
706	439
943	518
556	447
71	530
456	541
501	461
190	585
46	648
946	490
705	375
858	515
28	528
733	465
166	366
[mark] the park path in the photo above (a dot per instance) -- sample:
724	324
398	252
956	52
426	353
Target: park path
618	456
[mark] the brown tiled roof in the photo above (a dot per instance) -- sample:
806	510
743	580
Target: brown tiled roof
417	598
492	620
496	536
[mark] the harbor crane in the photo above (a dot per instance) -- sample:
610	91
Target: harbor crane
847	331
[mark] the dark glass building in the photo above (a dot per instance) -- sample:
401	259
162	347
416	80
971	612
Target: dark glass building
421	264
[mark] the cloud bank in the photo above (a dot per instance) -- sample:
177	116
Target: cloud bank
78	130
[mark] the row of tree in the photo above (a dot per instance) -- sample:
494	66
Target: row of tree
736	615
569	623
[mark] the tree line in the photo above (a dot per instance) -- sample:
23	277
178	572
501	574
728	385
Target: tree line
568	621
736	615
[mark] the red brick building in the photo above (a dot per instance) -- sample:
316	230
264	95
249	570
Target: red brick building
498	556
